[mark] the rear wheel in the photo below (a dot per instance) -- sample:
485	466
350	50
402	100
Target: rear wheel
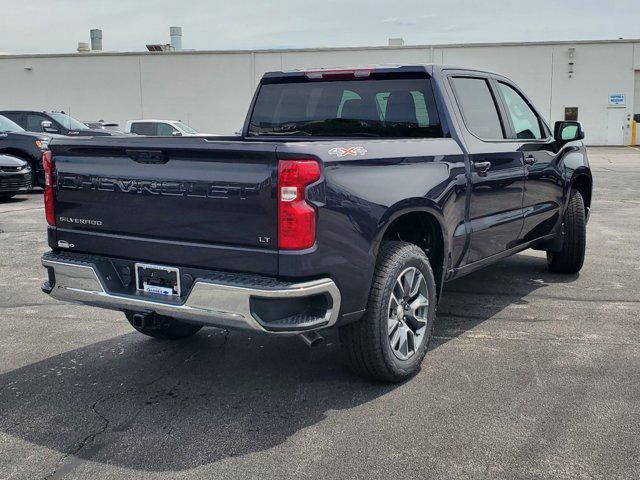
390	341
571	257
161	327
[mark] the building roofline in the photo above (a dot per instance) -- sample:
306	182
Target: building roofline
322	49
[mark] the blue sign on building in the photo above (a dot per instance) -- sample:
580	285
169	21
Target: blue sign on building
616	100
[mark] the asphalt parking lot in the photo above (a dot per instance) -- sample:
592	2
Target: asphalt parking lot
529	375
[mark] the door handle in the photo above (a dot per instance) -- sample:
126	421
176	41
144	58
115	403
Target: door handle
482	167
529	159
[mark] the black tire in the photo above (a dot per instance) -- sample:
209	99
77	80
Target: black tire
165	328
367	343
571	257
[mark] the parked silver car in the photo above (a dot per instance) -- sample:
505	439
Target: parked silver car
15	176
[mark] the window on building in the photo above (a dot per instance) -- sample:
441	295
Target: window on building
571	114
478	107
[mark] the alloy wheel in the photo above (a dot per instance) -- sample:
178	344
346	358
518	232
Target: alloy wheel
408	313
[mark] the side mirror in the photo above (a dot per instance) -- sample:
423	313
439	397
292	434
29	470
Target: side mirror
565	131
175	133
48	127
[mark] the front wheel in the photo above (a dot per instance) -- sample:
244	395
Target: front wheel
390	341
161	327
570	258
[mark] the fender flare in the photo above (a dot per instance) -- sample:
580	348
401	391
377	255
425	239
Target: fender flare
416	205
579	172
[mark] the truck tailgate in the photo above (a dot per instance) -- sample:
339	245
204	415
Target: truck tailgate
192	201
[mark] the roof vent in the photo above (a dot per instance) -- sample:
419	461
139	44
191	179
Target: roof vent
96	40
176	37
157	47
396	42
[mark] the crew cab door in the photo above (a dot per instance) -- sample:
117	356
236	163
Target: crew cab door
497	172
543	191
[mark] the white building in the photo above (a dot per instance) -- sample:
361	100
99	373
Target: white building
211	90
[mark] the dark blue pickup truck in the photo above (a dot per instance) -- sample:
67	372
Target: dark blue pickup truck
348	201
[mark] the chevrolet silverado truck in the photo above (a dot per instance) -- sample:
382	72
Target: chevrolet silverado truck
349	199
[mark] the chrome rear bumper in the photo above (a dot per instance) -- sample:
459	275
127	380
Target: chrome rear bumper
218	303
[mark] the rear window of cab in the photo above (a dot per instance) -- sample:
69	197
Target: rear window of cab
396	108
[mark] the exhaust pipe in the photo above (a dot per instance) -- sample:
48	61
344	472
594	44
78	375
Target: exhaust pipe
312	339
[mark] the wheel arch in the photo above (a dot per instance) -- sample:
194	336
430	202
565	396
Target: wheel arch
431	235
583	183
16	152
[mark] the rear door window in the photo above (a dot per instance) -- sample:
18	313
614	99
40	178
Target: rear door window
478	107
391	108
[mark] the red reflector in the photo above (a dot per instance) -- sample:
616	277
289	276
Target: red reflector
47	164
296	216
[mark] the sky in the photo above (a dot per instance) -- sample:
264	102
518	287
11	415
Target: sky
56	26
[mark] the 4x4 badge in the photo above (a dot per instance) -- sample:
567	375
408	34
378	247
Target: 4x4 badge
346	151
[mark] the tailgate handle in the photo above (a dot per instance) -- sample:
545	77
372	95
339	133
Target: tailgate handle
148	156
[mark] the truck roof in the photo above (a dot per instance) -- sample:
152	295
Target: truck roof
381	68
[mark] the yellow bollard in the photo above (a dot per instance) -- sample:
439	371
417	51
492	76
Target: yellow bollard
633	132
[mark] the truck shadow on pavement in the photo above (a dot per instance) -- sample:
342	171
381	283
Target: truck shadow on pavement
147	405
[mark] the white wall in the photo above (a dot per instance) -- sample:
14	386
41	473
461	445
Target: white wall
530	67
89	88
600	70
211	90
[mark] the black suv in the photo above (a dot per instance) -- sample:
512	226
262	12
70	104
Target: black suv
28	146
52	122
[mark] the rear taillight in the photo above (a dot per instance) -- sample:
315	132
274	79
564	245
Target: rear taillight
296	217
47	164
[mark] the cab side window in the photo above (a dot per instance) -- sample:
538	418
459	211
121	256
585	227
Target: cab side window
164	130
143	128
34	122
478	107
525	121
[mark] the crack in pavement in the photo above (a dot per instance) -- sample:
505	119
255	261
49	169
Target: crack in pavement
61	467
